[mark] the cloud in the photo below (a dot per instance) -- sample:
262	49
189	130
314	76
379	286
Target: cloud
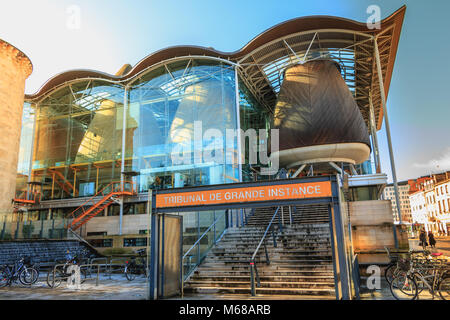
442	163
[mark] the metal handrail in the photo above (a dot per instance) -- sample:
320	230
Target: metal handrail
356	276
253	269
116	186
192	247
201	237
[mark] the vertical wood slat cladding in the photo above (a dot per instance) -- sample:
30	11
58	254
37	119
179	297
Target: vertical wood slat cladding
316	107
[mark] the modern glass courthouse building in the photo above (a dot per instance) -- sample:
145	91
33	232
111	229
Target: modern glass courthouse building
76	140
85	130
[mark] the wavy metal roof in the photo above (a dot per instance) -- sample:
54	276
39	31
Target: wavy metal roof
261	62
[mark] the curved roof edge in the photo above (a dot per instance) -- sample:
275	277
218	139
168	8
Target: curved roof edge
278	31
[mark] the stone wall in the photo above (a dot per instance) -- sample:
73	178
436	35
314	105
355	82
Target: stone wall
373	229
15	67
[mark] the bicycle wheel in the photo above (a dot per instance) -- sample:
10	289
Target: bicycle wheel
403	287
28	276
444	288
56	281
4	277
130	272
389	273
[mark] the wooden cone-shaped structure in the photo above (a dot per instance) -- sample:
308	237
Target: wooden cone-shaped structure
318	118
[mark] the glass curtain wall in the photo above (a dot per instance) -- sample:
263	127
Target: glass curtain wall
252	116
176	111
78	139
26	143
175	131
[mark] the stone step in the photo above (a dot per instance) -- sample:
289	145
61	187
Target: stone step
263	284
271	257
262	272
263	291
275	278
280	262
271	251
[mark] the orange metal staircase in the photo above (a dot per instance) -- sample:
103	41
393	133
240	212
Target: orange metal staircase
64	183
27	197
91	208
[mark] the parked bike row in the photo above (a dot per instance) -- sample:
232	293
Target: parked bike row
27	273
417	272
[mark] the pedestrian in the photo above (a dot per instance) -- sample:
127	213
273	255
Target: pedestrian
431	239
423	239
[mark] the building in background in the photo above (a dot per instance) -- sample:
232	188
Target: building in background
404	190
430	202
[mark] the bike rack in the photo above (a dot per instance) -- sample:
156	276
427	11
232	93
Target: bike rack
89	265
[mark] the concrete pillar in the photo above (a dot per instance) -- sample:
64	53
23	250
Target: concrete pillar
15	67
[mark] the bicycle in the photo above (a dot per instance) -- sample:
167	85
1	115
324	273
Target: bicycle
419	274
132	268
55	276
27	275
392	268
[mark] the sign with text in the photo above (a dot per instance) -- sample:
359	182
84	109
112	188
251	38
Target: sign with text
250	194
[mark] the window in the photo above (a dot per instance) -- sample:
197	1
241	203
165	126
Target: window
114	210
98	233
135	242
139	208
101	243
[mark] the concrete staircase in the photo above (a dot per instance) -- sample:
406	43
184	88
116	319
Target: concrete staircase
301	264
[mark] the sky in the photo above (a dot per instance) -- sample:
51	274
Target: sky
110	33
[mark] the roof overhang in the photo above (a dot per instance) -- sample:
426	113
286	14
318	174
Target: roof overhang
262	60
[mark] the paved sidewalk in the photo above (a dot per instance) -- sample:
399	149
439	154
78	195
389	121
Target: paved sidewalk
119	288
116	288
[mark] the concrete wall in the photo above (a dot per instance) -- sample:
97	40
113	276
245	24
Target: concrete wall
15	67
373	229
131	224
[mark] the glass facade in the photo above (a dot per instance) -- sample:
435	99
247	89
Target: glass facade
26	145
171	110
176	114
252	116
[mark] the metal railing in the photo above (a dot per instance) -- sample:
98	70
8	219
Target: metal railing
356	276
115	187
92	265
186	255
30	197
64	276
253	268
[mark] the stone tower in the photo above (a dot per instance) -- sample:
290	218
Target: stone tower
15	67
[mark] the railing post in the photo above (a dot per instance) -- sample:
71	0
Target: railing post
182	277
252	277
98	274
290	215
280	225
274	239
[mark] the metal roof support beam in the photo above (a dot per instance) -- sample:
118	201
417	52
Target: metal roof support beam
353	169
293	52
335	166
388	135
309	47
298	170
373	133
